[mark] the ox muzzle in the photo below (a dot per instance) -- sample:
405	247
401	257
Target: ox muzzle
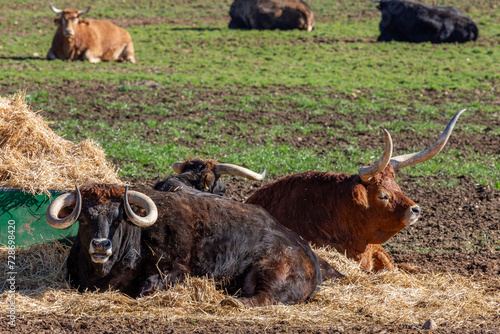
412	214
100	250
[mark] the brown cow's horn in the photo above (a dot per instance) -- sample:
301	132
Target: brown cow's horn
61	202
414	158
54	9
366	173
144	202
83	12
231	169
178	166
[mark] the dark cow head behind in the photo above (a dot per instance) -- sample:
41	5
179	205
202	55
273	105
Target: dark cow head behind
204	175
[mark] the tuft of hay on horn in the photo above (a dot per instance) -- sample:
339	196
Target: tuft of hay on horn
35	159
359	301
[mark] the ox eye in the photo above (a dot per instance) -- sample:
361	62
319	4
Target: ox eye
383	197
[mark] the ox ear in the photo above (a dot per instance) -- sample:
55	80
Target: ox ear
360	196
57	21
83	21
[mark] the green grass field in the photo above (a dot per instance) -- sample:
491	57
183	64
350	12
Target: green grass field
337	72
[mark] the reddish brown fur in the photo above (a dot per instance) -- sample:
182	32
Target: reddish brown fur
339	210
92	40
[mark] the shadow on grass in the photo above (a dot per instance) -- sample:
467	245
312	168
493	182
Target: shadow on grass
22	58
196	29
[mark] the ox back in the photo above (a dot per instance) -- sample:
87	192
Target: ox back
240	246
271	14
406	21
199	178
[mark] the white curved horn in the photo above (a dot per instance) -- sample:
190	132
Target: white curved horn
366	173
54	9
61	202
223	168
144	202
414	158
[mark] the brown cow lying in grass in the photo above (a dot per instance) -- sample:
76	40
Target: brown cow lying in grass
87	39
353	213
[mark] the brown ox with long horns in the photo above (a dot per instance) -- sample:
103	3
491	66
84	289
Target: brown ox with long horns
77	38
353	213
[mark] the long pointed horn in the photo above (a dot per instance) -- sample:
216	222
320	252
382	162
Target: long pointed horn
144	202
414	158
223	168
366	173
83	12
54	9
61	202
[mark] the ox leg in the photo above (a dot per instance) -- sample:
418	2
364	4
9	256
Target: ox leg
375	258
381	260
327	271
151	284
90	57
129	53
51	55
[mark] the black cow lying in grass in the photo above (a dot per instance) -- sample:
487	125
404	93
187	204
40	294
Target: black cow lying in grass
202	176
176	234
406	21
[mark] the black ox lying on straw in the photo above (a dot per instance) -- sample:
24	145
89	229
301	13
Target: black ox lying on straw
177	233
199	176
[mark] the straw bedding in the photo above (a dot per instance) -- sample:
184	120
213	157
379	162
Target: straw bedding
35	159
360	300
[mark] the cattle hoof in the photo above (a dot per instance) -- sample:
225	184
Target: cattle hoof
233	302
409	269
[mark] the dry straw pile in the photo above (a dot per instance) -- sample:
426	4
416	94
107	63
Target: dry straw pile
34	158
359	301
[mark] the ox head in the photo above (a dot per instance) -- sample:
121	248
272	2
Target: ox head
104	214
377	192
69	19
204	174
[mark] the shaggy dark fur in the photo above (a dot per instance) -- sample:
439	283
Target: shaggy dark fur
413	22
240	246
271	14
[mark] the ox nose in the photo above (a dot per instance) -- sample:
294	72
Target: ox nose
416	210
101	245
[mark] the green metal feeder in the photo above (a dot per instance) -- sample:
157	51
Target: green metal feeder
26	212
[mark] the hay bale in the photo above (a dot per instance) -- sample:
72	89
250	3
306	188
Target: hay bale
35	159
